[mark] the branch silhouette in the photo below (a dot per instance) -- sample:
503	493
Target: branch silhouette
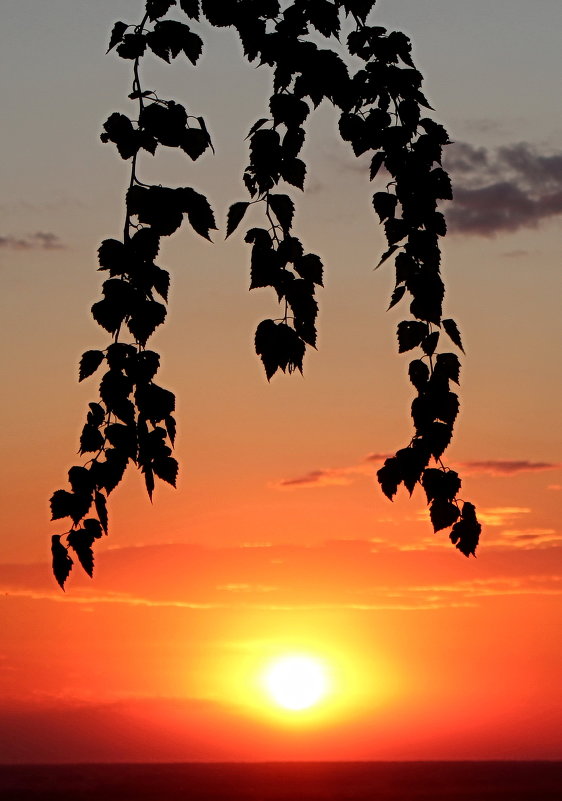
380	107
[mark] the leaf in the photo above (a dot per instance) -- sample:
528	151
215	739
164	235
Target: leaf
441	484
310	268
235	215
101	509
62	562
412	462
418	373
170	424
91	439
279	347
158	8
81	543
146	318
257	125
384	204
198	210
430	343
390	477
397	296
437	437
447	366
190	7
132	46
61	504
154	403
443	514
169	38
387	254
111	256
161	282
440	184
166	468
283	208
293	171
466	532
376	163
89	363
116	35
410	334
194	142
119	129
451	329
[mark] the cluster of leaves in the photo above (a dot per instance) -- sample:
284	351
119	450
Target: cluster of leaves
380	107
386	121
132	421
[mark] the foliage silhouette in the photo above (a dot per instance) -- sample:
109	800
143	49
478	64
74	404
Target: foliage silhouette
381	112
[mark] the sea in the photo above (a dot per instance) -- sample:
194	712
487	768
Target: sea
285	781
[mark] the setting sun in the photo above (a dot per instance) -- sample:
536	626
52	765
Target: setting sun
296	682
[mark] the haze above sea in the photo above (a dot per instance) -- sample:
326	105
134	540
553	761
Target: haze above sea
286	781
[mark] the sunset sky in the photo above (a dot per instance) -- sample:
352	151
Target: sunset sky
278	540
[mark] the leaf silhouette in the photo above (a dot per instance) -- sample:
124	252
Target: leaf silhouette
466	531
279	347
198	210
384	203
443	514
397	296
190	7
158	8
441	484
89	363
62	562
101	510
166	468
169	38
132	46
235	215
284	209
451	329
410	334
390	477
81	542
116	35
418	373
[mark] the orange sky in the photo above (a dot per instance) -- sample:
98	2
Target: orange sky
278	539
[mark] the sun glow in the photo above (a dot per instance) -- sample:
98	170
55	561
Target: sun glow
296	682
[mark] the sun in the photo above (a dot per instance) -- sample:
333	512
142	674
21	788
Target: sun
296	682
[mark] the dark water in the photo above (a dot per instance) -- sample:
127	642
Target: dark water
282	781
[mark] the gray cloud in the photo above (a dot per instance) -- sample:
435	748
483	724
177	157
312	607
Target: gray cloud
502	190
41	240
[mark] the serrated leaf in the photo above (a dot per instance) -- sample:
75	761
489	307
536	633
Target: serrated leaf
397	296
384	204
190	7
91	439
390	477
453	332
440	484
116	35
284	209
376	163
170	424
418	373
101	510
89	363
443	514
387	254
466	532
257	125
235	215
430	343
158	8
437	437
81	543
62	562
166	468
447	367
410	334
198	210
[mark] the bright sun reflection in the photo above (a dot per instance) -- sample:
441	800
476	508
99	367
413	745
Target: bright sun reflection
296	682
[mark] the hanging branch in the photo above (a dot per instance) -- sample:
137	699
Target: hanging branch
133	419
381	112
387	121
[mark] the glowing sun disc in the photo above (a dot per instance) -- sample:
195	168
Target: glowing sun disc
296	682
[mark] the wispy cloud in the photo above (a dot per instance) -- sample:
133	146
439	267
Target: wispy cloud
41	240
507	467
343	476
502	190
